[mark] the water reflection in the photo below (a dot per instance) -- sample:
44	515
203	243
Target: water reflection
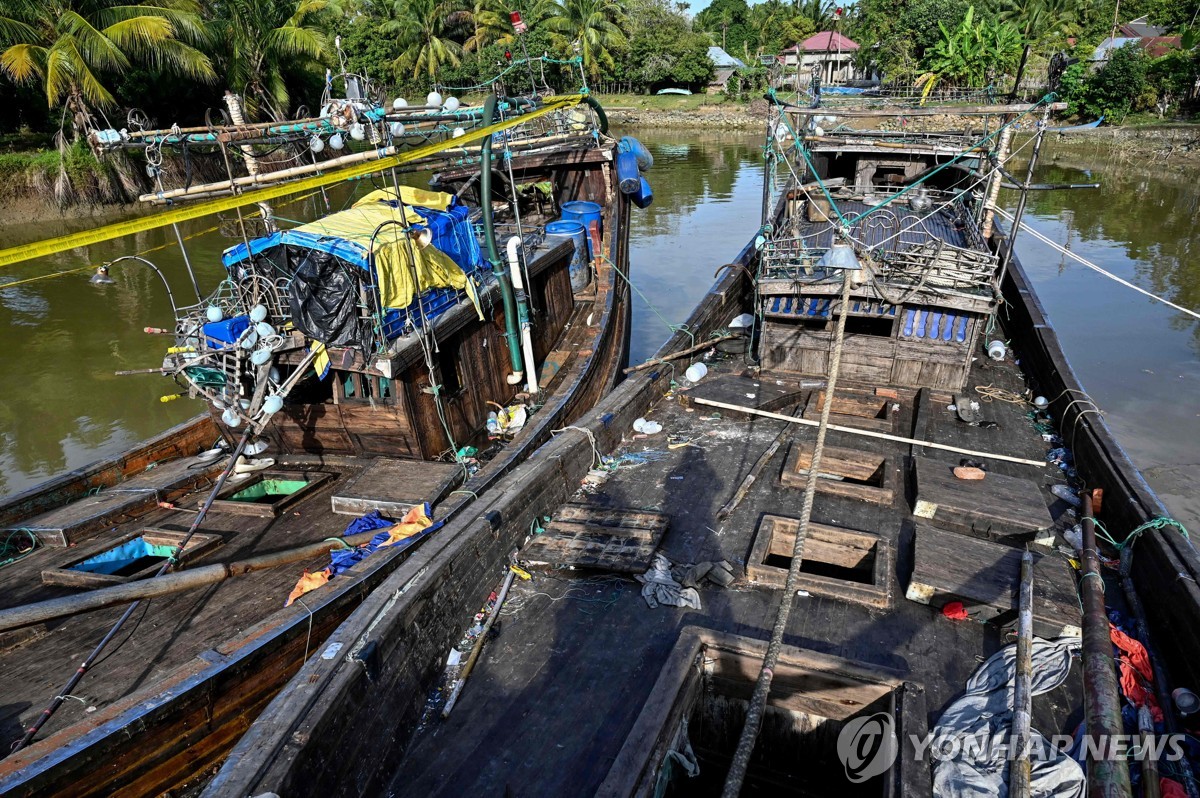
1138	359
62	338
707	200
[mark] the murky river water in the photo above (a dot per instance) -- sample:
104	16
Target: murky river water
61	339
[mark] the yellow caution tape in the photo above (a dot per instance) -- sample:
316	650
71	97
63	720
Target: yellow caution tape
52	246
521	572
171	397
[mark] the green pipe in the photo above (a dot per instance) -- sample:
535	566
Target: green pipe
499	270
595	105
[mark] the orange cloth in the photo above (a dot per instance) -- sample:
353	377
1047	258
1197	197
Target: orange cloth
308	582
1137	676
414	522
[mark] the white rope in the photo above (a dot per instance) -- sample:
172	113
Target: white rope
1053	245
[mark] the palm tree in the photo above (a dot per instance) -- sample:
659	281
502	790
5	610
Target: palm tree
488	22
596	27
422	28
71	46
1036	17
262	39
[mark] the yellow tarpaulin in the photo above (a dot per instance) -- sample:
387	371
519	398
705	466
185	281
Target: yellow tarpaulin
393	251
438	200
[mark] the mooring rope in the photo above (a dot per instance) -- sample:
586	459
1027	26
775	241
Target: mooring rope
1060	248
762	688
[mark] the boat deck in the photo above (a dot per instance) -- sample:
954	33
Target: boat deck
552	699
167	632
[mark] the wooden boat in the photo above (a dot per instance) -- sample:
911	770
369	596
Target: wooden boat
907	577
400	420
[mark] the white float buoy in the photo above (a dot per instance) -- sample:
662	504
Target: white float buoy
214	314
399	103
452	104
397	129
433	99
336	142
272	405
358	132
316	144
258	313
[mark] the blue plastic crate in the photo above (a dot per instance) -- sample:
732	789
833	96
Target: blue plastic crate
435	302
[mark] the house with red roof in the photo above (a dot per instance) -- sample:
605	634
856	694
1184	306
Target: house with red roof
832	52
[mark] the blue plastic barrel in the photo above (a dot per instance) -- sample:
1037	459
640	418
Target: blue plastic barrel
644	195
590	214
627	172
581	275
645	160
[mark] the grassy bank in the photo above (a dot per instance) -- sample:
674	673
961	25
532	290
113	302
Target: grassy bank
68	177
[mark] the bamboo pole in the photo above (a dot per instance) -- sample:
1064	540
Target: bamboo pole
478	647
658	361
866	433
176	582
1019	773
223	187
939	110
993	190
1106	777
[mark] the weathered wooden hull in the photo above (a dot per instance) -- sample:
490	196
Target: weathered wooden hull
176	729
337	729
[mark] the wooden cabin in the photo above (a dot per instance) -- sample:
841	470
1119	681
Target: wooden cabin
919	302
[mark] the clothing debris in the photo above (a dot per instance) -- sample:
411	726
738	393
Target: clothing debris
659	586
974	732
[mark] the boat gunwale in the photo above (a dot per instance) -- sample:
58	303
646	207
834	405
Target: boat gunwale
597	370
266	757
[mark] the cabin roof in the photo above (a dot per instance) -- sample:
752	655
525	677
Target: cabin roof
824	42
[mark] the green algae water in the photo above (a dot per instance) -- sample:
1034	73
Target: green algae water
61	338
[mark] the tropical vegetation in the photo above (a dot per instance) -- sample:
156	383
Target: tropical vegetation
74	64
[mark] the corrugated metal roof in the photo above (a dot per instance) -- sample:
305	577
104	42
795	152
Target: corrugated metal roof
720	59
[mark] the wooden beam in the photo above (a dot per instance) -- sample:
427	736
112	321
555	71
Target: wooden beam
869	433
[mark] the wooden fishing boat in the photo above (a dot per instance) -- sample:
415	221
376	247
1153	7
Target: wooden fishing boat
208	540
874	286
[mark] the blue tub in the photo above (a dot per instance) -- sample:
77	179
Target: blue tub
581	274
627	172
644	195
591	215
645	160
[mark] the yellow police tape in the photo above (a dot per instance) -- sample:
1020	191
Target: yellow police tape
51	246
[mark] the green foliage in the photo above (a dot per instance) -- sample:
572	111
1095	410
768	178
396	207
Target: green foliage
975	53
905	30
666	52
595	28
728	23
262	41
1172	78
1120	86
71	48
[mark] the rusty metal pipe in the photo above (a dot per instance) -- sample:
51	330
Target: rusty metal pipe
1106	778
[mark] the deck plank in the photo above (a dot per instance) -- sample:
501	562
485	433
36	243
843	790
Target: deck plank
985	576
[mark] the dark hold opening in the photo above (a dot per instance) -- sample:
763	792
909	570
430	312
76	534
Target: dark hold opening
878	326
795	753
813	325
862	572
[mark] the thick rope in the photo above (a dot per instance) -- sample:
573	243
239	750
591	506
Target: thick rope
758	701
